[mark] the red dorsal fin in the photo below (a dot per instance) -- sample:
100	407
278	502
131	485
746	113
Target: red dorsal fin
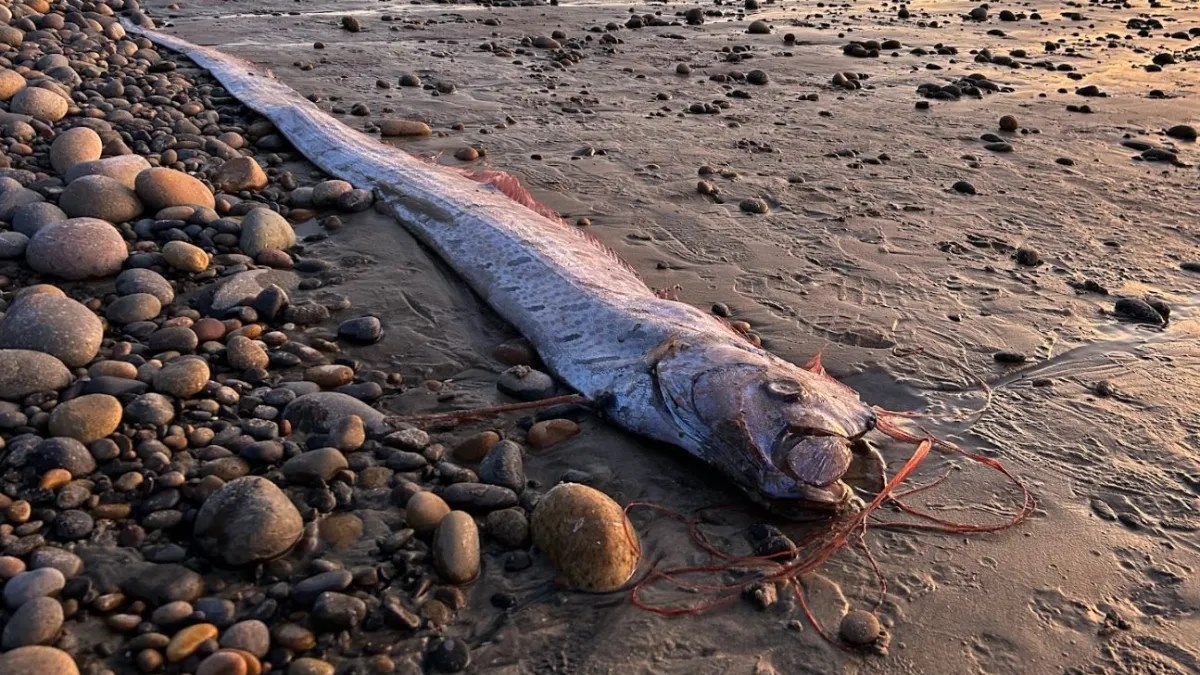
814	365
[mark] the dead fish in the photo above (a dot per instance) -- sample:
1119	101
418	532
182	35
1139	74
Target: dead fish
654	366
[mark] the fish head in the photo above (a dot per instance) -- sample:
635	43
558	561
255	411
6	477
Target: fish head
782	432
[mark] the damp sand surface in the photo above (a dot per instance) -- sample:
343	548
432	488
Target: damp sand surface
867	254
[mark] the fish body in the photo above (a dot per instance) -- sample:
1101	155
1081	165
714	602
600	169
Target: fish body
656	367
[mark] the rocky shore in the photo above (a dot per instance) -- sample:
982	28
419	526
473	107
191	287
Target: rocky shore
194	479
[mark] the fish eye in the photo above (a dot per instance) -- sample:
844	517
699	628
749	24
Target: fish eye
788	390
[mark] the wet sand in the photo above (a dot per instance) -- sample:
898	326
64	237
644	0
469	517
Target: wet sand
862	261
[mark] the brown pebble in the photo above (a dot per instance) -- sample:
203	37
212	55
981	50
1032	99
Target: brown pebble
476	447
223	663
54	479
1008	123
860	627
467	154
209	329
187	641
424	511
547	433
587	537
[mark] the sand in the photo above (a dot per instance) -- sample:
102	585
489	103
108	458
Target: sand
865	262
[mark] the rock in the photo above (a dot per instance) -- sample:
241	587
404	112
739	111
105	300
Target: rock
27	586
57	326
24	372
424	511
183	377
316	412
395	127
39	103
860	627
509	527
14	196
247	520
587	537
363	330
450	655
478	496
504	465
243	287
474	448
239	174
1134	309
224	662
144	281
1008	123
185	643
37	622
86	418
123	168
100	197
185	257
1184	132
244	354
263	229
73	146
174	339
13	245
57	249
250	636
326	193
133	308
548	433
63	453
330	376
11	82
160	584
314	467
37	660
310	666
30	218
270	302
154	409
455	548
525	383
759	28
338	611
160	187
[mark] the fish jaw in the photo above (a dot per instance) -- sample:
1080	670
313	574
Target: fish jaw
780	432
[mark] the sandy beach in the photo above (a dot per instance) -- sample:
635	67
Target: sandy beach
838	204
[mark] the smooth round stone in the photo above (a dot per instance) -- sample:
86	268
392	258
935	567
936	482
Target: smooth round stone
174	339
183	377
24	372
244	354
86	418
456	548
247	520
310	666
263	229
224	662
330	376
249	636
133	308
172	613
100	197
30	218
525	383
239	174
209	329
13	245
133	281
504	465
37	660
424	511
314	467
860	627
363	330
163	583
587	537
73	524
59	558
185	257
14	196
185	643
60	452
401	127
36	622
11	82
57	326
160	187
26	586
121	369
73	146
338	611
548	433
123	168
316	412
450	655
326	193
39	103
151	408
77	249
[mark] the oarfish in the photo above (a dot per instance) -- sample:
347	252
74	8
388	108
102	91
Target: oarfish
653	366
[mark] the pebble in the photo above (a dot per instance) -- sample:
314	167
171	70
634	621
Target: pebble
247	520
587	537
159	584
525	383
326	193
424	511
134	281
10	83
54	249
330	376
362	330
1008	123
183	377
316	412
39	103
397	127
100	197
338	611
133	308
1138	310
860	627
63	453
37	660
185	257
154	409
455	548
314	467
185	643
224	662
449	655
474	448
478	496
30	218
310	666
124	169
36	622
548	433
240	174
61	327
964	187
504	465
263	229
86	418
79	144
26	586
243	353
508	527
160	187
24	372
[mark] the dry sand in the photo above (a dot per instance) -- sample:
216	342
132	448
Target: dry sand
862	261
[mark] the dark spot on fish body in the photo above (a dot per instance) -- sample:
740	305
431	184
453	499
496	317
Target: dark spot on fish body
424	208
572	337
519	261
536	308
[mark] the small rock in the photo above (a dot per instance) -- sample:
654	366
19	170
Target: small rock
263	229
36	622
314	467
395	127
37	660
455	548
548	433
240	174
185	643
86	418
338	611
134	281
1008	123
183	377
56	249
450	655
39	103
363	330
525	383
160	187
26	586
185	257
243	353
133	308
61	327
247	520
587	537
424	511
73	146
860	627
24	372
